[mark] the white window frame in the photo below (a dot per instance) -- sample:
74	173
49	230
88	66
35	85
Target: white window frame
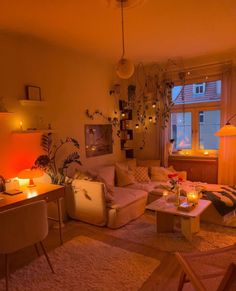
199	85
194	109
203	122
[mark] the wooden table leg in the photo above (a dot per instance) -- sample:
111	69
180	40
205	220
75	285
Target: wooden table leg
190	225
59	219
164	222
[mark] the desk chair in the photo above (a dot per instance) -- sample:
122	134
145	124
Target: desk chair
21	227
210	270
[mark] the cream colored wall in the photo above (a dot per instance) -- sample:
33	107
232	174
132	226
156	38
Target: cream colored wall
70	82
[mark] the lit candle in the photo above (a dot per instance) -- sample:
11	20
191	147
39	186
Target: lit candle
192	197
206	153
165	194
21	125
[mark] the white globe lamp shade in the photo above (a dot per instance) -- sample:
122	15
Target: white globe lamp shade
124	69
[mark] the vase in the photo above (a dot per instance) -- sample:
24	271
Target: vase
177	195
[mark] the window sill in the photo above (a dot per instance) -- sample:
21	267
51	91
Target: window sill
193	157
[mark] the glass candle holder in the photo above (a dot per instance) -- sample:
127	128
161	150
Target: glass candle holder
192	197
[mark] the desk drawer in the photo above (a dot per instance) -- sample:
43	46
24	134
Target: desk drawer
52	196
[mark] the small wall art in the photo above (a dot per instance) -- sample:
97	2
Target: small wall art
33	93
98	139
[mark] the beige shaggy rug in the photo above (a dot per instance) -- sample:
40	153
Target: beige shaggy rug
85	264
143	231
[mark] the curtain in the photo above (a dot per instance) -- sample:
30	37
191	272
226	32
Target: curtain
227	148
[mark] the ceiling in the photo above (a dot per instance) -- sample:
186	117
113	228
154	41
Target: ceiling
155	30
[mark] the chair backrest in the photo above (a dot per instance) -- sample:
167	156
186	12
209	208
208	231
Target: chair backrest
228	282
23	226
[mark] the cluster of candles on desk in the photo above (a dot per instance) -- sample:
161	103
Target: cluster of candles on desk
192	196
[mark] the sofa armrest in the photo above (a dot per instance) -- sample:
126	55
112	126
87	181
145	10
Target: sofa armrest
86	202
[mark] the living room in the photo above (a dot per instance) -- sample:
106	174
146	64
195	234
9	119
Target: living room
58	75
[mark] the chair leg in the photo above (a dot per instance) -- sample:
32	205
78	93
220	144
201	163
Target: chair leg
47	257
182	280
37	249
7	271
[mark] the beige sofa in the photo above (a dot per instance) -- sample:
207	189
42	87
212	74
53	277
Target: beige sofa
117	199
90	201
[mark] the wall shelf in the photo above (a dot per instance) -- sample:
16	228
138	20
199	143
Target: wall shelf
26	102
34	131
5	113
126	129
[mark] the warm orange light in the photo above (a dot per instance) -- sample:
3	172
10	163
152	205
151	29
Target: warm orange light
227	130
21	125
193	197
30	174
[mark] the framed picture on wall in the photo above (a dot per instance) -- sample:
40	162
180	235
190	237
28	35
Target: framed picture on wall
33	93
98	139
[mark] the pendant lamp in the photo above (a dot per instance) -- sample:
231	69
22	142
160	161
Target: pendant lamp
124	67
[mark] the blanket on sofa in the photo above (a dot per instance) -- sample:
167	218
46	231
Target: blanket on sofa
224	201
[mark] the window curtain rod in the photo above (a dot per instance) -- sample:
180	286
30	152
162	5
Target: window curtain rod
226	64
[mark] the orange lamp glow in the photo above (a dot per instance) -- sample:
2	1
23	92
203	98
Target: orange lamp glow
30	174
228	129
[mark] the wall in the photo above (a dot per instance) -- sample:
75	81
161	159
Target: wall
70	82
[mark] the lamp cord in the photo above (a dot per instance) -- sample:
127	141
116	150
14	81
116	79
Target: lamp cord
122	27
228	122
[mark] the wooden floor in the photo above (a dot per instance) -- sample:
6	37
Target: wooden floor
168	271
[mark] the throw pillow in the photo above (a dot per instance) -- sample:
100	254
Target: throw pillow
108	174
181	174
141	174
159	174
124	176
148	163
109	188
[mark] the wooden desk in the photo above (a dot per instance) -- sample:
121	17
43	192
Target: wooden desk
47	192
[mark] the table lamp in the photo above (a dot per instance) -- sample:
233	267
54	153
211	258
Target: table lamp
30	174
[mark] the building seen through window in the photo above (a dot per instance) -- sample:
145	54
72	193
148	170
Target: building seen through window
196	115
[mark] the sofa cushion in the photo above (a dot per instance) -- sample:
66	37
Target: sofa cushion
126	196
148	187
124	176
160	174
107	173
127	164
141	174
148	163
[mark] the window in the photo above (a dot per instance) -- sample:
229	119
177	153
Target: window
201	117
181	125
207	140
195	120
199	88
